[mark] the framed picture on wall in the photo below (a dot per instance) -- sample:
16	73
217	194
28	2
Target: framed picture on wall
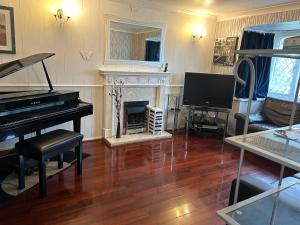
224	52
7	30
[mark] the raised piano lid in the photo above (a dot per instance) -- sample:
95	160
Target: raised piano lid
16	65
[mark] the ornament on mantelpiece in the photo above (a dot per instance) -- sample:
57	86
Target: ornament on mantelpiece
166	67
116	93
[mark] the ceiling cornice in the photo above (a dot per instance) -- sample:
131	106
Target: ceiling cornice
136	4
260	11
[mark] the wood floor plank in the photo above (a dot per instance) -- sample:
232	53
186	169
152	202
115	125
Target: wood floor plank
177	181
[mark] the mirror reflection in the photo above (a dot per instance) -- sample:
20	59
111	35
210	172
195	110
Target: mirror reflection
134	42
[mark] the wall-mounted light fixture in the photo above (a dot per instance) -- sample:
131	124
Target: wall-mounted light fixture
64	10
59	15
198	32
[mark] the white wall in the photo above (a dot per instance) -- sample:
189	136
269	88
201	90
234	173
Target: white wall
37	31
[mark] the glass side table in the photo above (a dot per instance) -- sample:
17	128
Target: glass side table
279	206
270	146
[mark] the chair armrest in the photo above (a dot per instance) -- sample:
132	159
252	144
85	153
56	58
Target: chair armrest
240	121
253	117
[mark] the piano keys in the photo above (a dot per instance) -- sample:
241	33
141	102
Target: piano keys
23	112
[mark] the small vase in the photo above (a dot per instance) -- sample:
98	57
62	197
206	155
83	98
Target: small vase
118	135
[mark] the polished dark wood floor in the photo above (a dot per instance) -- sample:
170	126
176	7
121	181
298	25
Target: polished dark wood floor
175	181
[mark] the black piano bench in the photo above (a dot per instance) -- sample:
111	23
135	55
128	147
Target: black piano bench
44	147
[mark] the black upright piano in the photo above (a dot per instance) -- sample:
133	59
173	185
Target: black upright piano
24	112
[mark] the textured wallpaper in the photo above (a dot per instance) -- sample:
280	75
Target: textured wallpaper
122	45
129	46
235	27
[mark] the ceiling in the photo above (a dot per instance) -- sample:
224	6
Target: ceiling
218	7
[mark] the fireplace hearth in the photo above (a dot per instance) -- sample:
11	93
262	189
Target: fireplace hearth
135	119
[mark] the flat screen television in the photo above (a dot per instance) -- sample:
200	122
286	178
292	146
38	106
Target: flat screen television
208	90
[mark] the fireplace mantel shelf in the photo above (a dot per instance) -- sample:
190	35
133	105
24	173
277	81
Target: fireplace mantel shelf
133	73
135	77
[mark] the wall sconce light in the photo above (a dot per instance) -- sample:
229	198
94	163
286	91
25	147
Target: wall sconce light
64	11
198	33
59	15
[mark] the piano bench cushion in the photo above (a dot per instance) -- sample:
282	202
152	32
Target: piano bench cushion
49	144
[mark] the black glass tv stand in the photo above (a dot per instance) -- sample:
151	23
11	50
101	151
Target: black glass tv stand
206	120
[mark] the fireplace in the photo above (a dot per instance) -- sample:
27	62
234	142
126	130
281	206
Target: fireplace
135	119
139	85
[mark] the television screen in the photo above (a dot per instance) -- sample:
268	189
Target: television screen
208	90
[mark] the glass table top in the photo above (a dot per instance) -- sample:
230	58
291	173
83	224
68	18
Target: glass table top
276	207
269	145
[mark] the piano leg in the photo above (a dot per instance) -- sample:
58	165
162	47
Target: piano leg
60	161
21	168
77	125
21	172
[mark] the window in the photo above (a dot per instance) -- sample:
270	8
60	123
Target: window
284	72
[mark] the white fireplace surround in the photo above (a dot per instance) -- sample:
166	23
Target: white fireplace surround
131	79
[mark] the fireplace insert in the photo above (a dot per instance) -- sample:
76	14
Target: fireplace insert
135	118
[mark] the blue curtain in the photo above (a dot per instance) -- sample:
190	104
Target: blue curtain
152	51
254	40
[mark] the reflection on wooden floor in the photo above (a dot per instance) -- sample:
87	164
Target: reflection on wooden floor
174	181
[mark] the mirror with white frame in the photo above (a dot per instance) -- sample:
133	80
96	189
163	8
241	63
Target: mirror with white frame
129	42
